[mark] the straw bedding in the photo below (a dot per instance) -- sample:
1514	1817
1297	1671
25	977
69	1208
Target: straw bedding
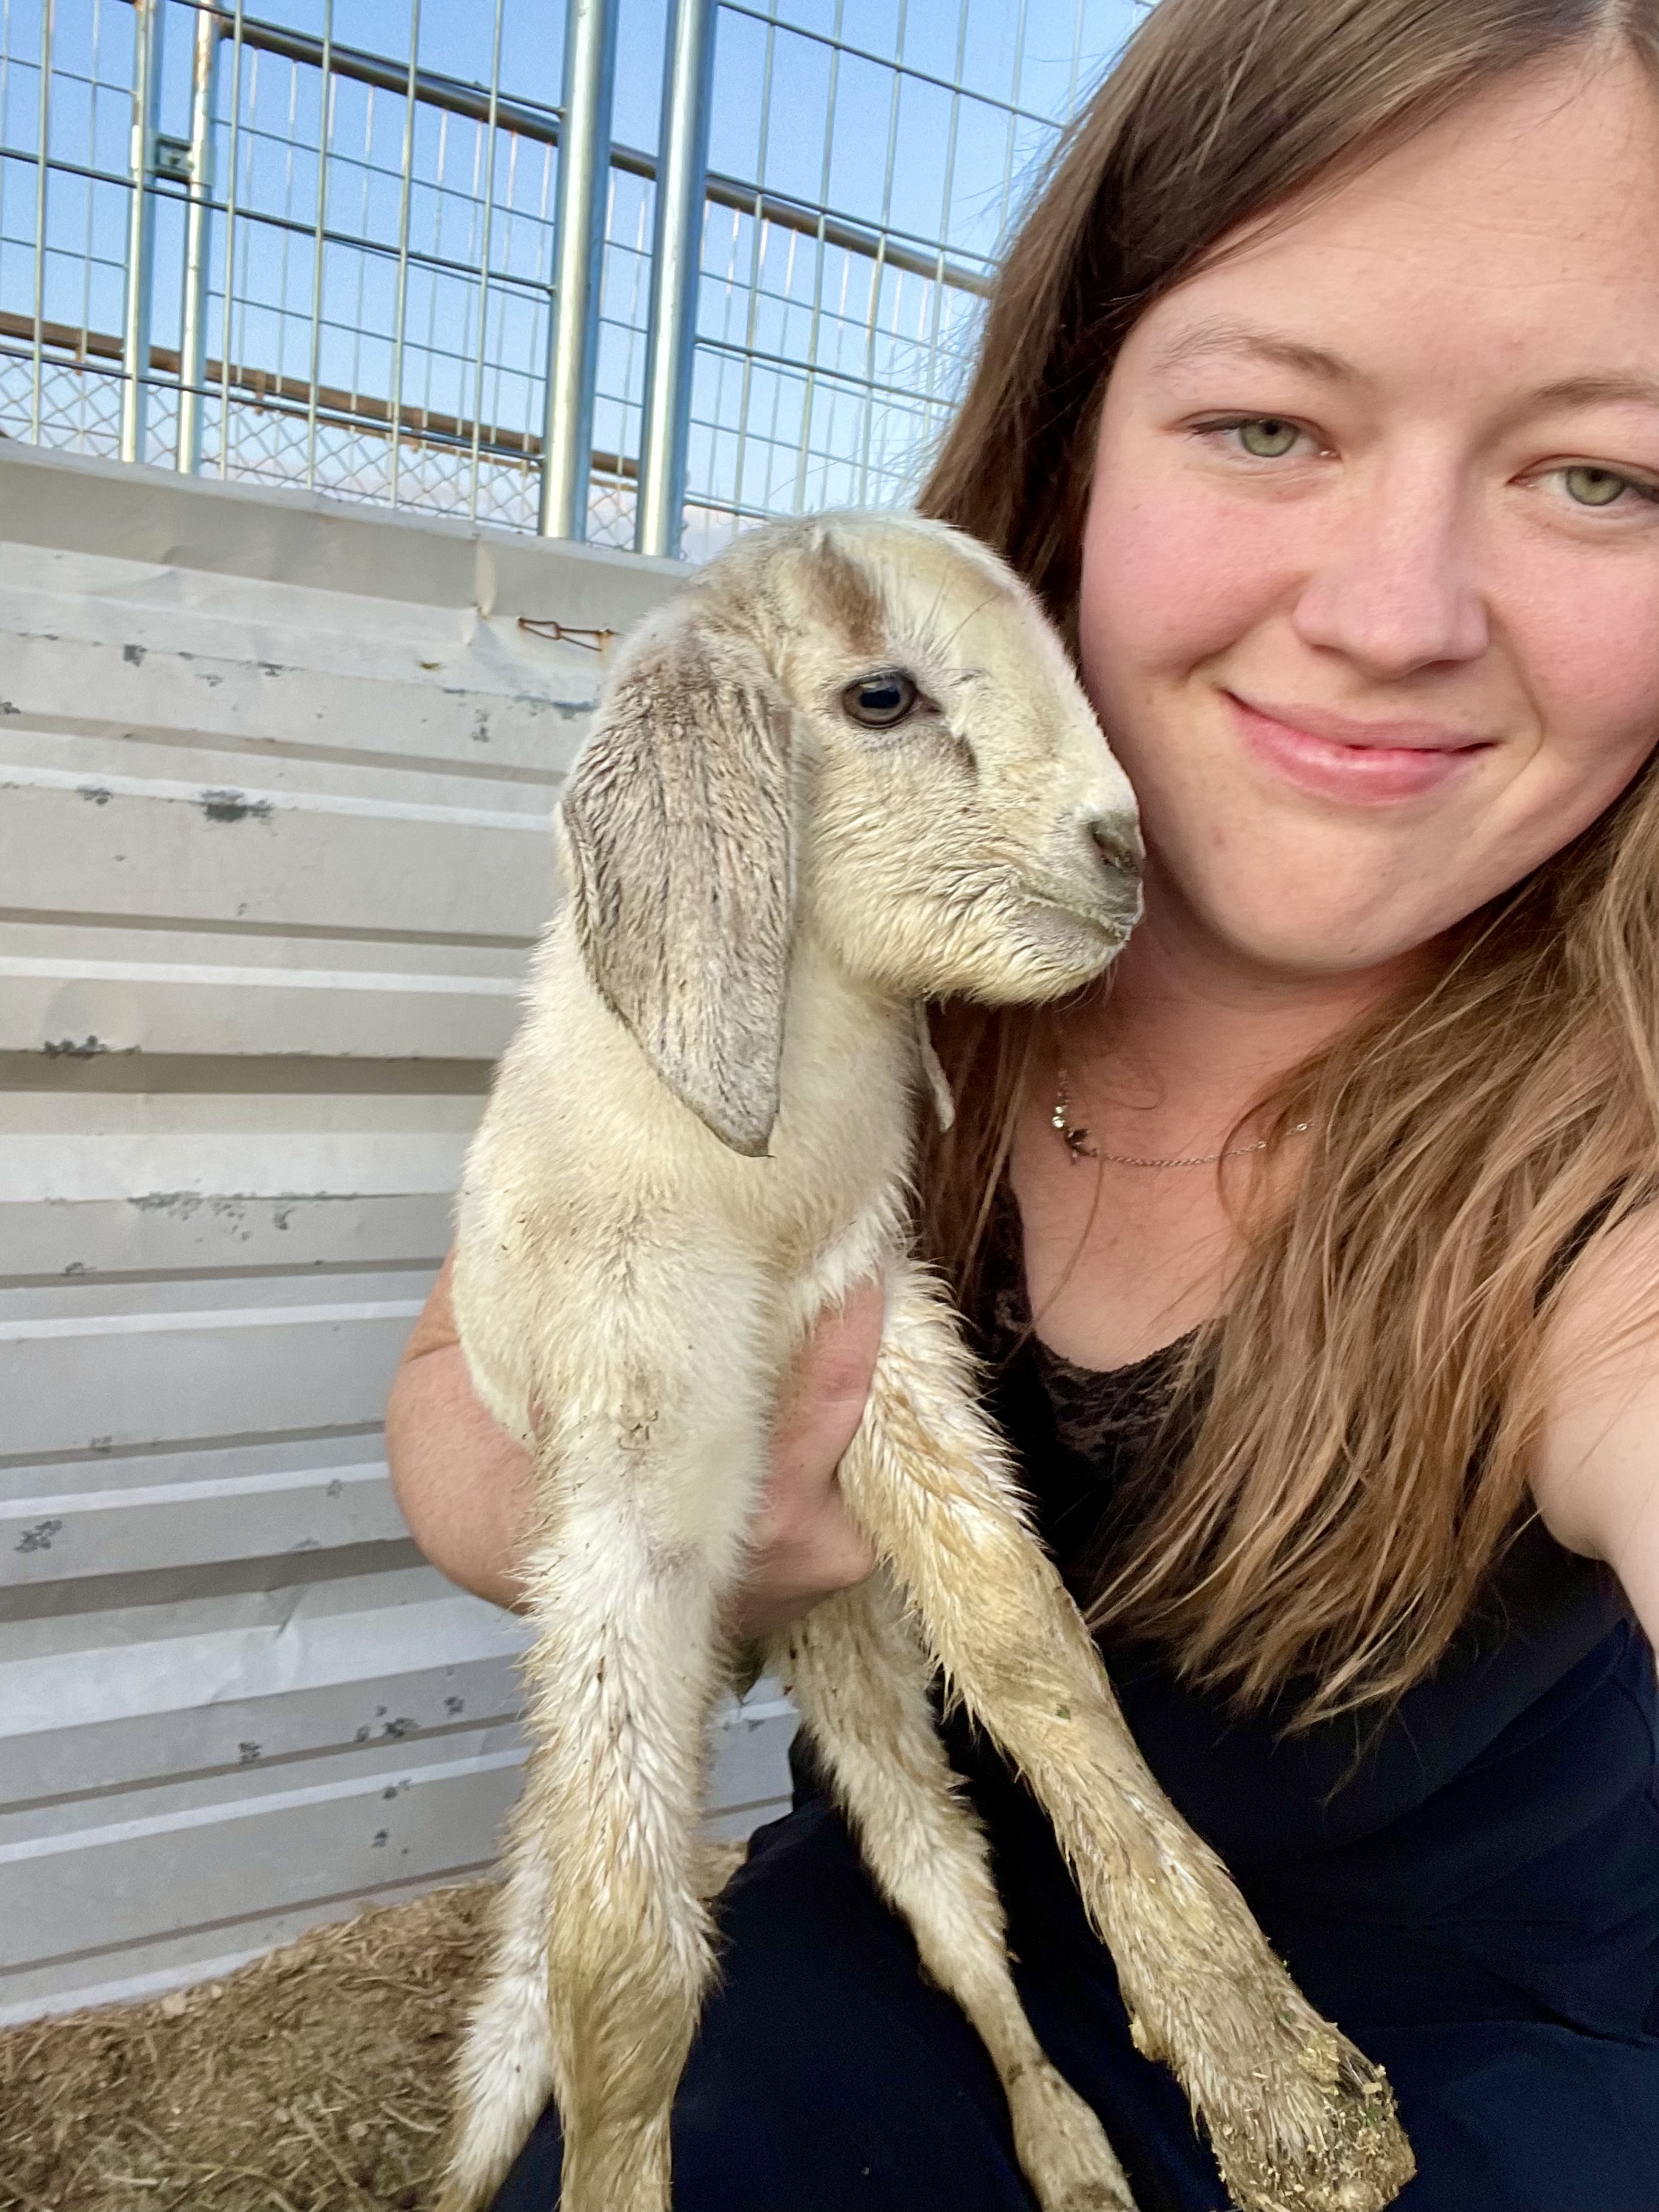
315	2080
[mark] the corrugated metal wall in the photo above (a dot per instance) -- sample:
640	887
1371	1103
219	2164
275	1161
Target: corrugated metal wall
274	776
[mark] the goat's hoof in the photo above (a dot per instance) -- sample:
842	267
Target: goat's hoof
1299	2121
1071	2165
1340	2150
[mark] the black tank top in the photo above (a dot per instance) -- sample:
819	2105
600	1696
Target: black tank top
1490	1849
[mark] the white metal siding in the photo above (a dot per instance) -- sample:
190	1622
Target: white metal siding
275	778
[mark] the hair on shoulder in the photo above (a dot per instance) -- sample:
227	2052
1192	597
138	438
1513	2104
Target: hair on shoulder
1361	1467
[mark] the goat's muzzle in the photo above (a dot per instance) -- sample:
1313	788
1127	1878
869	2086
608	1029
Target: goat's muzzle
1117	840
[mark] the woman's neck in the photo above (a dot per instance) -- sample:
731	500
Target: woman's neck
1184	1035
1162	1065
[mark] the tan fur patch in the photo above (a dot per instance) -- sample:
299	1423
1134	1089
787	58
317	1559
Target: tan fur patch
849	601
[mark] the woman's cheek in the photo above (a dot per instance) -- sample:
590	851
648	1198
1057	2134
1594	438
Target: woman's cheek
1582	637
1586	640
1168	582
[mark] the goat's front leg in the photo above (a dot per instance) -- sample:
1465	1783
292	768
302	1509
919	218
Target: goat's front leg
860	1678
647	1515
1299	2120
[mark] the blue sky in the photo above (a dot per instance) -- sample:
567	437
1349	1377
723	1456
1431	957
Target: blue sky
866	133
456	37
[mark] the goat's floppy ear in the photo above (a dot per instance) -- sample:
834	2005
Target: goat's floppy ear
680	850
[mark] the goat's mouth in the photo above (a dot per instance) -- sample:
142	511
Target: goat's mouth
1109	903
1100	928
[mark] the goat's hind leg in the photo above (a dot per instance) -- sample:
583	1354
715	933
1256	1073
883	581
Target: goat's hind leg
622	1675
505	2071
860	1680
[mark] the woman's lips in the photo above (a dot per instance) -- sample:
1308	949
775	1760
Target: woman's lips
1351	760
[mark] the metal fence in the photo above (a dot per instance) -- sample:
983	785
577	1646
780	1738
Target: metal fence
466	257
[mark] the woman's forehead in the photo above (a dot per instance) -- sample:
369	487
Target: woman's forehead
1527	221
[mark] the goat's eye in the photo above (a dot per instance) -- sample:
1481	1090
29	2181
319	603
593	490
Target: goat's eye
880	701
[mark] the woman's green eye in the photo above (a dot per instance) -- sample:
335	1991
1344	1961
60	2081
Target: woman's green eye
1268	437
1593	487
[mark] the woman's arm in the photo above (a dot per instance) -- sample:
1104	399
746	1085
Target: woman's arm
1596	1481
463	1485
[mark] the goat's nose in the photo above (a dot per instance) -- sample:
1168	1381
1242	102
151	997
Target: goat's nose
1117	840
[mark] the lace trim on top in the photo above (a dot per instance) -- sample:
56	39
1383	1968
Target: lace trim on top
1100	1413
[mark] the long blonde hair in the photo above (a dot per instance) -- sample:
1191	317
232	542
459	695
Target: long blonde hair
1361	1467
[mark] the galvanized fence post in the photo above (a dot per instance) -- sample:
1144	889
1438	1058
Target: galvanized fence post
43	171
147	15
192	346
681	165
590	69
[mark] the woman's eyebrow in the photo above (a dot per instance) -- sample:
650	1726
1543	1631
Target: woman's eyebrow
1593	390
1221	339
1226	339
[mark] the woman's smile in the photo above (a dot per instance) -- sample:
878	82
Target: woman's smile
1370	568
1348	759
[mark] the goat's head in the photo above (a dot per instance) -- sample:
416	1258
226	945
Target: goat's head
858	724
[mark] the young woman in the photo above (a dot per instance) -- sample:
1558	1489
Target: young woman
1315	1260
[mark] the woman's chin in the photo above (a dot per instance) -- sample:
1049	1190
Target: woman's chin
1242	936
1303	956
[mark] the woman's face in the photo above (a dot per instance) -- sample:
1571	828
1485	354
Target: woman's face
1371	576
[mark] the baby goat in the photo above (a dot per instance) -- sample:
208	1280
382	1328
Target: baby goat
847	770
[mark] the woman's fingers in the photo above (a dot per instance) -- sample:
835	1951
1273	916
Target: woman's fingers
825	1402
804	1545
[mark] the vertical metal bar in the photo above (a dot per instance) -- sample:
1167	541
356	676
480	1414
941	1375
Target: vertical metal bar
759	232
282	288
1065	117
43	127
815	328
879	269
232	212
947	191
590	69
141	225
395	397
1013	124
324	135
483	256
87	71
193	345
682	162
430	351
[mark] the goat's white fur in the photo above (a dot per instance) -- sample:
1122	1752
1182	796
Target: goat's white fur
700	1138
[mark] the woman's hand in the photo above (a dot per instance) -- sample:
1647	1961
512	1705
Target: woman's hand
463	1485
803	1543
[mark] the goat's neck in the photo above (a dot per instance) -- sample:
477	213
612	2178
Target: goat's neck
848	1078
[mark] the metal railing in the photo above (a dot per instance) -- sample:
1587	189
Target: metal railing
471	269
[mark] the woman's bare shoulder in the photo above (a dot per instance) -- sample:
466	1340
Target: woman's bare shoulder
1596	1473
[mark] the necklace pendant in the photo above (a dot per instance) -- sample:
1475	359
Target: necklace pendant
1076	1141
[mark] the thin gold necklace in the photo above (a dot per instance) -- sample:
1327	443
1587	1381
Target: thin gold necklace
1076	1142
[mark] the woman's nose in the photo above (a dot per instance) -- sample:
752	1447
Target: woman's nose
1397	590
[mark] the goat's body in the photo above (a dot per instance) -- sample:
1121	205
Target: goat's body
631	1289
654	1314
593	1204
618	1265
586	1162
